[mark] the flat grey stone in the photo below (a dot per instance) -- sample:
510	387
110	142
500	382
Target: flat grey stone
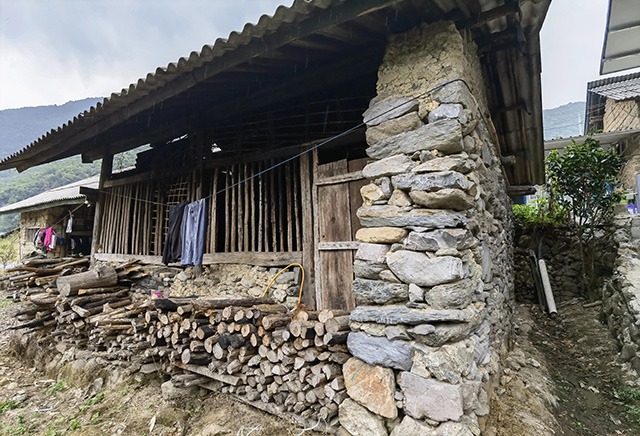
358	421
448	363
432	399
443	135
377	292
405	123
380	351
389	166
446	163
389	109
404	315
435	240
454	199
367	270
393	216
457	295
376	253
448	111
431	181
418	268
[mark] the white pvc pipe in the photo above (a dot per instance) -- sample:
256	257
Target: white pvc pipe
546	284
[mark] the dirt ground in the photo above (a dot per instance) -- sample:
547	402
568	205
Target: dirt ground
562	377
32	404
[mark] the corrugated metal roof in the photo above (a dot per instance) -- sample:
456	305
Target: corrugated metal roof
63	195
266	24
621	48
617	88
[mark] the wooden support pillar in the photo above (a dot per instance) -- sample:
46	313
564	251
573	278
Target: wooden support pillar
308	255
105	174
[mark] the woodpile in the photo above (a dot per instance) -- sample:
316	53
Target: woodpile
280	361
42	272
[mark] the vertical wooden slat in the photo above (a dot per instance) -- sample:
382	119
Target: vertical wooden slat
252	201
227	225
316	234
260	208
240	208
234	215
273	201
289	200
247	215
282	224
295	177
213	228
307	231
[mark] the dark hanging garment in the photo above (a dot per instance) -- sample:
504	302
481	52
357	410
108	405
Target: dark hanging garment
173	244
194	233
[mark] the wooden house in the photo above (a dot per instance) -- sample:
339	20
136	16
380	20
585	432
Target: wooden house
239	122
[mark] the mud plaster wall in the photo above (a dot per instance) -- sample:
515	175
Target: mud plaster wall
38	219
434	284
632	165
621	115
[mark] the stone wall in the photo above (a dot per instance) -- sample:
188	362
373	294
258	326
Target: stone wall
38	219
621	294
632	166
434	283
621	115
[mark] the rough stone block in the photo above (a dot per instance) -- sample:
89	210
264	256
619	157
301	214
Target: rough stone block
389	109
431	181
455	199
405	315
381	235
377	292
376	253
418	268
400	198
371	193
393	216
460	239
358	421
448	111
448	363
457	295
432	399
443	135
372	386
366	270
405	123
389	166
447	163
416	293
380	351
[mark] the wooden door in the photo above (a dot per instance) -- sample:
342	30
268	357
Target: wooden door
337	194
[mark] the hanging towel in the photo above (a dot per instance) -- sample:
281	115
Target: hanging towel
48	235
173	244
194	232
70	224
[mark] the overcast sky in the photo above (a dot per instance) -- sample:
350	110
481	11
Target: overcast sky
53	51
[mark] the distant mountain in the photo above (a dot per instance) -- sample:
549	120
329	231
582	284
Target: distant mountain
20	127
564	121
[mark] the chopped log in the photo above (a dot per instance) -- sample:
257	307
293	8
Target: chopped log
221	303
271	322
165	305
101	276
91	291
327	314
337	324
335	338
204	331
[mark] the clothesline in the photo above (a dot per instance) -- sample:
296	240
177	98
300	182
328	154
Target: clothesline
266	170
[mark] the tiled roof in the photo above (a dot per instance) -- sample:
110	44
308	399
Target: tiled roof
63	195
617	88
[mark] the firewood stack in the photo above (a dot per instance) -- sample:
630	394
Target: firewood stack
255	349
42	272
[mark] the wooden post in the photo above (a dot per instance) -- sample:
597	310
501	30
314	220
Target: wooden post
105	174
308	257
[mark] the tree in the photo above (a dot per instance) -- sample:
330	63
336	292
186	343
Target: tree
9	248
583	181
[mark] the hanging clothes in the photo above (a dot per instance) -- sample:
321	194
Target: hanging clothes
50	239
172	249
70	224
194	232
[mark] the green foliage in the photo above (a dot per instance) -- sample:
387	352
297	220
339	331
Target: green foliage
9	405
9	248
538	214
583	182
56	387
95	418
74	424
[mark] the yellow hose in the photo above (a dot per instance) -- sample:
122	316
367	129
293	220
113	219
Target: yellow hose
283	270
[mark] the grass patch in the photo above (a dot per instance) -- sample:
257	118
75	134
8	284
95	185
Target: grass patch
56	387
5	303
9	405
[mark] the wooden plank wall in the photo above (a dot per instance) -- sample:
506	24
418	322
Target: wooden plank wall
263	214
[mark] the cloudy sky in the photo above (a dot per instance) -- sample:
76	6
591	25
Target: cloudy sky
53	51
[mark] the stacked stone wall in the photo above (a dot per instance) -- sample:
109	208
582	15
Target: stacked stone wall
621	294
434	282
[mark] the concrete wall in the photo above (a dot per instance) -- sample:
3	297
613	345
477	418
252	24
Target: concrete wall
434	283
